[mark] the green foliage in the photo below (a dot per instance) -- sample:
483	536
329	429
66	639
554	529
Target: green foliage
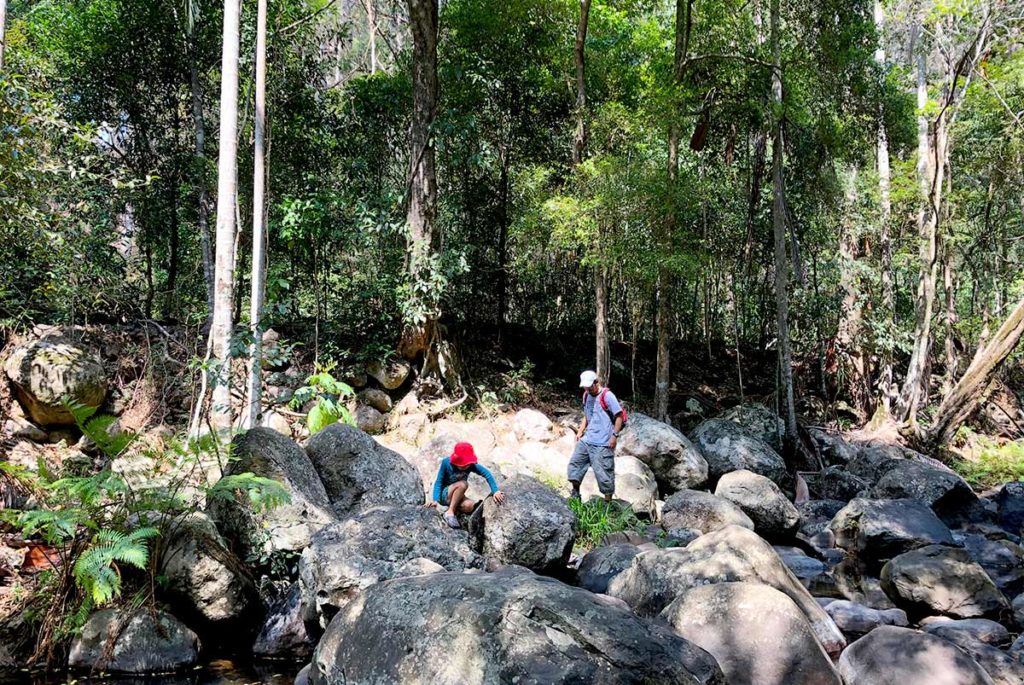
994	465
330	395
95	570
596	518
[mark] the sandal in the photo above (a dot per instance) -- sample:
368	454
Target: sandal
452	521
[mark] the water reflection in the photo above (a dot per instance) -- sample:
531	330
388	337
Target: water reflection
217	672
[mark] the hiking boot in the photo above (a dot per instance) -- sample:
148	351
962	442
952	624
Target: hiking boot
452	521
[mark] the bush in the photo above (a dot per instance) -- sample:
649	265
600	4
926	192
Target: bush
597	518
994	464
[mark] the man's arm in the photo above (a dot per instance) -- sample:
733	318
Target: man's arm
582	429
612	402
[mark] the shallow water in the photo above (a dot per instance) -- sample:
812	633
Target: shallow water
217	672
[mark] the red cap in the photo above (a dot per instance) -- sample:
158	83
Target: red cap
463	455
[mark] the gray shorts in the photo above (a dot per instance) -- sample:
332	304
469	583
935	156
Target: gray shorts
599	457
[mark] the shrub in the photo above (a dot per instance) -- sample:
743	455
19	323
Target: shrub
597	518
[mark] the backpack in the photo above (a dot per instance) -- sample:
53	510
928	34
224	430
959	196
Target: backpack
604	405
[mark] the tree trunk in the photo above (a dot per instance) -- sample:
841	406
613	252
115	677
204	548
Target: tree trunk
850	333
662	378
580	142
421	337
931	157
604	352
885	377
224	270
203	204
949	320
259	231
779	229
502	284
963	399
3	31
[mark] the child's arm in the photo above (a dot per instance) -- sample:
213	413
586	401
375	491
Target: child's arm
486	473
435	496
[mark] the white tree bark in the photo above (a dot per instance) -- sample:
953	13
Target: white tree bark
885	385
3	31
779	226
259	229
224	267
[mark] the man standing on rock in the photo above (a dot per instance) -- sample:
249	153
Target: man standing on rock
596	438
453	481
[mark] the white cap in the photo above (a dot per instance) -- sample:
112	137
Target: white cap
587	379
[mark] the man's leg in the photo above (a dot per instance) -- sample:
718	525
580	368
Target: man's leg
602	459
456	496
578	466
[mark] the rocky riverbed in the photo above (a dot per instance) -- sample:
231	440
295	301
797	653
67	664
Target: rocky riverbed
883	566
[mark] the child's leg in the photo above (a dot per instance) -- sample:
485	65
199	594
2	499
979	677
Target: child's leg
456	496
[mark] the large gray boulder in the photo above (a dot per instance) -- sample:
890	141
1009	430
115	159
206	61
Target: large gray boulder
759	421
943	580
980	629
143	643
602	564
889	655
1002	560
740	624
732	554
348	556
1011	507
1018	610
676	462
728	447
530	425
286	528
508	627
283	633
856	619
702	511
836	483
45	372
773	515
206	581
634	484
534	527
359	473
390	374
944	491
881	529
1003	668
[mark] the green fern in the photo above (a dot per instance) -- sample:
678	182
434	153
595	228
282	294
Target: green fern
95	571
264	493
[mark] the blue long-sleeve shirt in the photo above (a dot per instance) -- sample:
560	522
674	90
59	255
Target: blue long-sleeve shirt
448	474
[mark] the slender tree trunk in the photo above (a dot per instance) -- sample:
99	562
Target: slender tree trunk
662	378
259	231
502	284
779	226
949	320
604	352
580	142
371	29
851	322
203	204
963	399
224	270
172	257
885	377
931	155
3	31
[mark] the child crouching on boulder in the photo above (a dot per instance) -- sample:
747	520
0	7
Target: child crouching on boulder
453	481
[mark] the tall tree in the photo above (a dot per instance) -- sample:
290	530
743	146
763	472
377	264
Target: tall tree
960	56
850	334
3	31
224	269
422	336
663	325
579	143
779	231
885	377
259	229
